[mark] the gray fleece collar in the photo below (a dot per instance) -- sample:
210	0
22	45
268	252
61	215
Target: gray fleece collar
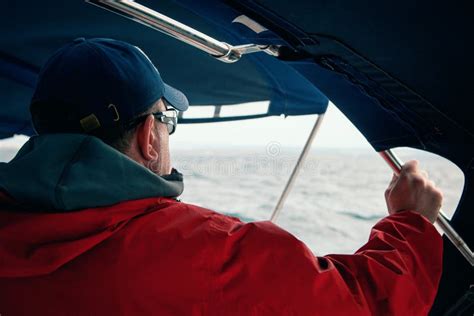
64	172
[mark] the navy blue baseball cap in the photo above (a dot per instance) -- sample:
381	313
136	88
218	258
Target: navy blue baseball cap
97	86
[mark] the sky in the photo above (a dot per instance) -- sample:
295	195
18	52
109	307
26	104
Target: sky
336	131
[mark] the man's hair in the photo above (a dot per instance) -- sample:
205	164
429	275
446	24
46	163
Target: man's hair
122	142
53	118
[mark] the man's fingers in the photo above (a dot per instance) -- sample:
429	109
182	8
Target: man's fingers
413	190
410	166
394	179
391	185
392	182
437	198
424	173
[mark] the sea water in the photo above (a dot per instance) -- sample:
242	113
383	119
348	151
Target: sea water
336	199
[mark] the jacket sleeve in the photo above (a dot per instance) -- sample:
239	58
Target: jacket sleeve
395	273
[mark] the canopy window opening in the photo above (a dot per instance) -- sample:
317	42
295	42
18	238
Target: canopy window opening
223	113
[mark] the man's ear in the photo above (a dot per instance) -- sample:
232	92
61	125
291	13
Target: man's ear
146	139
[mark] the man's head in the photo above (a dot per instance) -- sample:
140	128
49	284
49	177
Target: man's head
109	89
147	141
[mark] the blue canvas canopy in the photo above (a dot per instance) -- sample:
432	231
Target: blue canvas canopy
398	70
33	30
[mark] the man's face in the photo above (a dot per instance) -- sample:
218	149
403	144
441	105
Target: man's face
162	165
150	144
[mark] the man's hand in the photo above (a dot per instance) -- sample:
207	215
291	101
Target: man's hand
411	190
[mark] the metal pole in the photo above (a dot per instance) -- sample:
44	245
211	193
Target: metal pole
144	15
443	222
297	168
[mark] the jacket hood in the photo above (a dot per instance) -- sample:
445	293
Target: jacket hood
64	172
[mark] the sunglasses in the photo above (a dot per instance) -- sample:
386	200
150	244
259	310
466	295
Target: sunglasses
168	117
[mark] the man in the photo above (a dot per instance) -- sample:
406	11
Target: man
90	224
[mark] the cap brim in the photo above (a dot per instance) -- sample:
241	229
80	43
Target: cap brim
175	98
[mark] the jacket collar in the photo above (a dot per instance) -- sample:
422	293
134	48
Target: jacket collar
65	172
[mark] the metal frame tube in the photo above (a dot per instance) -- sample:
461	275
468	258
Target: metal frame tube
160	22
297	168
443	222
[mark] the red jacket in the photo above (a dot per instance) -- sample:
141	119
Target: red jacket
157	256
